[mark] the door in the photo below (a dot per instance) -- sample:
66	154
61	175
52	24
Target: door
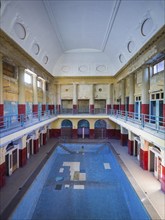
127	104
137	109
14	159
7	164
159	168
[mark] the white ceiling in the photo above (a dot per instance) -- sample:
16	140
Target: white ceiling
82	38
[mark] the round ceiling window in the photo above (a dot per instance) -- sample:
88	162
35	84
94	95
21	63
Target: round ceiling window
146	26
20	30
121	58
36	48
130	46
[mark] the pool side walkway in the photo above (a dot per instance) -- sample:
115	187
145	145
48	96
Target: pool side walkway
21	179
146	185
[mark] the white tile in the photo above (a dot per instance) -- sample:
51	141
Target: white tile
107	166
61	170
78	187
82	176
67	185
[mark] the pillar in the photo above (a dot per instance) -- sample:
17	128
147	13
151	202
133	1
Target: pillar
23	152
130	142
131	93
109	102
2	167
35	95
115	101
21	92
52	98
44	96
163	170
144	154
91	101
117	132
1	92
91	134
58	106
75	95
122	106
145	91
124	136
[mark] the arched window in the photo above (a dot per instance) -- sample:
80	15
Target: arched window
83	124
100	124
66	124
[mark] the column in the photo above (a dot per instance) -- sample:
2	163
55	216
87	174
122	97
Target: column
36	142
91	101
52	98
21	92
75	95
2	166
109	103
130	142
131	93
1	92
122	106
163	170
145	91
123	136
44	96
115	100
35	95
23	152
117	132
58	107
144	154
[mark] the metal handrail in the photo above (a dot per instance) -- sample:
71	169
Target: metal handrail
143	120
16	121
153	122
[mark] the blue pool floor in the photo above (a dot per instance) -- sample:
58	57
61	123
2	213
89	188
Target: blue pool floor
103	194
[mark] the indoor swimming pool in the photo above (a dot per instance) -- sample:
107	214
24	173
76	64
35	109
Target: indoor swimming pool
81	181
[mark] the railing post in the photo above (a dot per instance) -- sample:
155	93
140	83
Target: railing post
22	120
126	116
39	116
143	120
157	123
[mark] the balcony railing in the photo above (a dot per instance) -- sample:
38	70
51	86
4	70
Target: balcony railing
16	122
9	123
153	122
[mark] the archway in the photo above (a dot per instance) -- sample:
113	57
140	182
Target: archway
83	128
100	129
66	129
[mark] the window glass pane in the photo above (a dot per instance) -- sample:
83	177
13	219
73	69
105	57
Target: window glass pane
28	78
157	96
161	66
155	69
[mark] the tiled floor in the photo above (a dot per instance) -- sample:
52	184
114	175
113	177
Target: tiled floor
147	186
16	184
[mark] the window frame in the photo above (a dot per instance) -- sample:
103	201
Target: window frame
157	67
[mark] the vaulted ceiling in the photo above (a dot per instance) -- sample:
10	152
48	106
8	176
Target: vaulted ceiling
83	37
